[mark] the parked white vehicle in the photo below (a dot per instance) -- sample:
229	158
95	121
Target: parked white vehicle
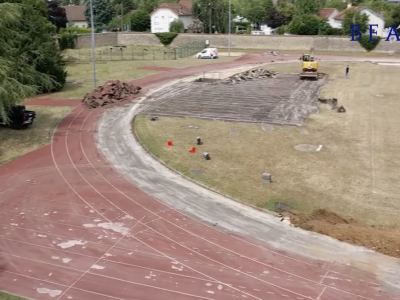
208	53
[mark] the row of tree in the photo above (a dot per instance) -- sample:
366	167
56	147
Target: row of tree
30	60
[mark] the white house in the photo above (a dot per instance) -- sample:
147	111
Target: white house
374	18
164	14
76	15
329	14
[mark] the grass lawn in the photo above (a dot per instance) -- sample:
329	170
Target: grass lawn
5	296
80	80
15	143
349	190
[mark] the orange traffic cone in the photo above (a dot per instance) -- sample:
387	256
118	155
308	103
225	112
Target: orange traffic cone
192	150
169	143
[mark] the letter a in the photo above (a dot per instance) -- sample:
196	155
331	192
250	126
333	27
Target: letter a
394	33
357	32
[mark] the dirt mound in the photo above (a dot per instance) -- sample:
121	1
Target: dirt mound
257	73
383	240
111	92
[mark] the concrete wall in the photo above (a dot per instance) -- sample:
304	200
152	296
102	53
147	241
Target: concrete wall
102	39
275	42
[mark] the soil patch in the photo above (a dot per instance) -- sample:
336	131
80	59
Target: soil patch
348	230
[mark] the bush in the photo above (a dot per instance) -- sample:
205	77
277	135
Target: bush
304	25
177	26
367	44
67	41
166	38
140	21
280	30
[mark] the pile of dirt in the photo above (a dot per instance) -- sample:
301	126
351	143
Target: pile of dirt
333	104
273	53
383	240
257	73
111	92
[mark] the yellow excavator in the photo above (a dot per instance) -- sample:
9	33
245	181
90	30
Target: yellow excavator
309	67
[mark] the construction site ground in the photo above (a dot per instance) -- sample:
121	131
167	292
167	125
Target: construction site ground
335	174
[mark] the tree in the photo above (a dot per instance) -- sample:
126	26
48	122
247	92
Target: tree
274	18
213	14
140	21
304	25
308	6
56	14
126	5
288	9
354	17
338	4
24	50
396	16
177	26
103	13
196	27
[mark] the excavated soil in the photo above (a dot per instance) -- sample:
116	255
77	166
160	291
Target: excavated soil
383	240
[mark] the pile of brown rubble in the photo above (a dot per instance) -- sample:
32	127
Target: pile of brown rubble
258	73
111	92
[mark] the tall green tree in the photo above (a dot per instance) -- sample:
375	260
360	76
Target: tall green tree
308	6
103	13
395	15
23	56
140	21
356	18
288	9
305	25
213	14
338	4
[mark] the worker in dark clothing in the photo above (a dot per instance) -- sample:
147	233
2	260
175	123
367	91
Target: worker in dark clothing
347	72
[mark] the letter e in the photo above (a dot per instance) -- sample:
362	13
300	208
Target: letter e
371	32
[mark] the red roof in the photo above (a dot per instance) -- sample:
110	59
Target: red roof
340	16
326	12
182	8
75	13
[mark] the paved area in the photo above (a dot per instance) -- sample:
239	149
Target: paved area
72	227
284	100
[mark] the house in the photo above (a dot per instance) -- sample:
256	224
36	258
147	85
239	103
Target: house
329	14
76	15
374	18
165	13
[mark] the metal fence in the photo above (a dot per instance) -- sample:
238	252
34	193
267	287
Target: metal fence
122	53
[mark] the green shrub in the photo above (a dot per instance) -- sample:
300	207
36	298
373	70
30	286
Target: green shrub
281	30
67	41
166	38
177	26
367	44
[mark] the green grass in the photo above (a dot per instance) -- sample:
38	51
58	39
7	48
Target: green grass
5	296
15	143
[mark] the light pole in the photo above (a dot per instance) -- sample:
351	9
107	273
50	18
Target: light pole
229	28
93	45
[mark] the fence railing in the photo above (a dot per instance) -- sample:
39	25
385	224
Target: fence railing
121	53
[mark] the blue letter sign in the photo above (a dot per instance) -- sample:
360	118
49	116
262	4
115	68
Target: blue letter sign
357	32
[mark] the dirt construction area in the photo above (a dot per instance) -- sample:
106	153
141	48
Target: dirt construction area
335	174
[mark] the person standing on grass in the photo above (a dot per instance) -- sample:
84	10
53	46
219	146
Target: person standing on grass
347	72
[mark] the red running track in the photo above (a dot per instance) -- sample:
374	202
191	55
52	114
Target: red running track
72	228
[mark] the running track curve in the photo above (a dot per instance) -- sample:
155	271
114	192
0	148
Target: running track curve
73	228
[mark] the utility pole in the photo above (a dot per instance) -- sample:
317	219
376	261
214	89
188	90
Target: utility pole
122	18
209	22
93	45
229	28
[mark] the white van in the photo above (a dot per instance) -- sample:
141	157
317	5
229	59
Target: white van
208	53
